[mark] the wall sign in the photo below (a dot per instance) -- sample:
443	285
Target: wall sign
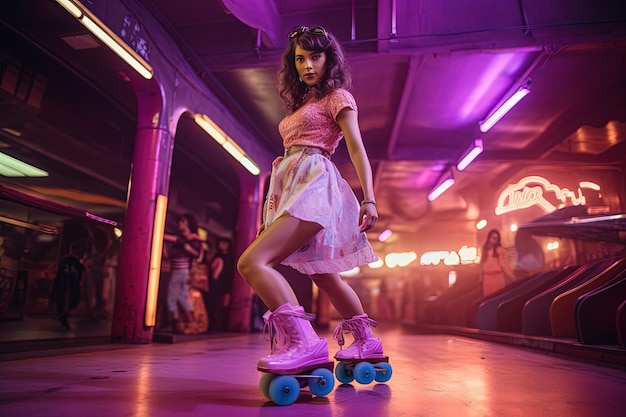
533	190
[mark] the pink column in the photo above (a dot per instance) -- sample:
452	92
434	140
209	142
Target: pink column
248	222
149	176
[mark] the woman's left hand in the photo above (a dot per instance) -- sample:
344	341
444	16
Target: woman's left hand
368	216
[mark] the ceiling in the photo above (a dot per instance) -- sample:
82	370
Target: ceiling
425	74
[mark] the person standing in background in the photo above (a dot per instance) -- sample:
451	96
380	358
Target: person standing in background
66	289
495	271
185	249
100	244
220	276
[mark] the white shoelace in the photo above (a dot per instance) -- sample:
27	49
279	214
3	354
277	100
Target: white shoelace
346	326
278	337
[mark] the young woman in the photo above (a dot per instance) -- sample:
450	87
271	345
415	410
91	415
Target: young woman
312	219
494	267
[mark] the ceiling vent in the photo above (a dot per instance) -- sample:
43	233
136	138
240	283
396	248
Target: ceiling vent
79	42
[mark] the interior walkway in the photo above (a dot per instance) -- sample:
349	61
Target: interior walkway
433	375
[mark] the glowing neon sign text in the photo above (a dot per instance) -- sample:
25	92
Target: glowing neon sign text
529	191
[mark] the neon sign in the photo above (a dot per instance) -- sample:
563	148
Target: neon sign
530	191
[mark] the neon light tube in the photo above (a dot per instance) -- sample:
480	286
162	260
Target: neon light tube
116	47
441	188
250	165
156	251
496	115
11	167
210	127
233	151
71	7
469	156
108	37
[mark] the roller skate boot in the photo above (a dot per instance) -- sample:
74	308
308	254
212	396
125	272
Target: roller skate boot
298	358
363	360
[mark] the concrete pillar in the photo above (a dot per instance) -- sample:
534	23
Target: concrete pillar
149	177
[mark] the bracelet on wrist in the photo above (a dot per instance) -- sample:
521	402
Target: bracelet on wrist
364	202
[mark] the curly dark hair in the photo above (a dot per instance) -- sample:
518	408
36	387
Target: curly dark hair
338	75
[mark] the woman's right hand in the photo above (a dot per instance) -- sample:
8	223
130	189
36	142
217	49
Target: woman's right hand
369	215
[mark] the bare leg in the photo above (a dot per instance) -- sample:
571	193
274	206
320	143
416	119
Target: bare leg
342	295
256	265
355	321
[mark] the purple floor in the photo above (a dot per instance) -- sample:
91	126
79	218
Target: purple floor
434	375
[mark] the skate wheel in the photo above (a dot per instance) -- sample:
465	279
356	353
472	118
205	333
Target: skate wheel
383	372
364	372
341	371
284	390
264	385
323	383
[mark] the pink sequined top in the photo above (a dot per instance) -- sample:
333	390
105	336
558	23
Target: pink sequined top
315	123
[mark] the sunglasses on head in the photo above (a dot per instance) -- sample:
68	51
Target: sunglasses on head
299	30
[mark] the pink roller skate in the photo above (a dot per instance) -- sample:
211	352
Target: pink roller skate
363	360
298	357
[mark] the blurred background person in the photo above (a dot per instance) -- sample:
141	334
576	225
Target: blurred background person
66	289
495	271
186	247
217	298
95	268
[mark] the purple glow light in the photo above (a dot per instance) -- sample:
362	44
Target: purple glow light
504	108
441	188
467	159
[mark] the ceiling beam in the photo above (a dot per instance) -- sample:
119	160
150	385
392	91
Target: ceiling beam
401	113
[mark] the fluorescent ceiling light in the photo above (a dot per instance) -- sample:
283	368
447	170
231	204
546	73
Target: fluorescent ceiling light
233	150
108	37
51	230
13	132
504	108
211	128
446	183
11	167
227	143
471	154
250	165
71	7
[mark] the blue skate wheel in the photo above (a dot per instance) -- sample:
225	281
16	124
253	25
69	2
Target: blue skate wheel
383	372
264	384
284	390
341	371
364	372
322	383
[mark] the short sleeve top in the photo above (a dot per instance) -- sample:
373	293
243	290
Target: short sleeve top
315	122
